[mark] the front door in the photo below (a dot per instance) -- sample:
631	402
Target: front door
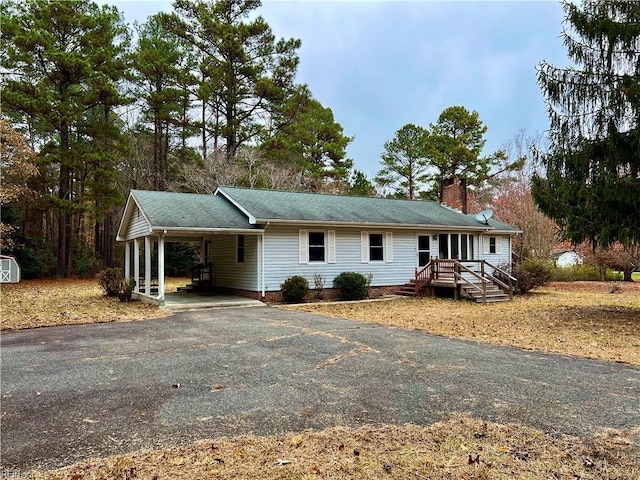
424	250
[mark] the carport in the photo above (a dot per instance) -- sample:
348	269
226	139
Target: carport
151	219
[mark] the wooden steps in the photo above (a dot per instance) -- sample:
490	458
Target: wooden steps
494	293
408	289
197	286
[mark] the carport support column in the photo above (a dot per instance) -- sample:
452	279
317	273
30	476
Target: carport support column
203	250
147	266
161	266
136	264
127	260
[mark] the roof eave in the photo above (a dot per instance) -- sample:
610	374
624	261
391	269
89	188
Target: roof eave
372	224
126	217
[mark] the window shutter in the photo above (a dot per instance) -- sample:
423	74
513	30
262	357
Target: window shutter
389	246
485	245
331	246
364	247
303	245
498	245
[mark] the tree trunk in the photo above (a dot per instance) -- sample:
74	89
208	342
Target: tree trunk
627	273
64	218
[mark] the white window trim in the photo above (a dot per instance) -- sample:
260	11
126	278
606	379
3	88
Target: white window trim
487	245
244	249
329	246
387	247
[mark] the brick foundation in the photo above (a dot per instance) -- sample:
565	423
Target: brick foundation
327	294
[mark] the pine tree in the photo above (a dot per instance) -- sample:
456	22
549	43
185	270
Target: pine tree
591	182
63	63
245	72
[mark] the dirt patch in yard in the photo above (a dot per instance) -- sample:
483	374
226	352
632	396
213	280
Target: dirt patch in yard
459	448
580	318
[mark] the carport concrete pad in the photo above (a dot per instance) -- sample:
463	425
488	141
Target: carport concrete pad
69	393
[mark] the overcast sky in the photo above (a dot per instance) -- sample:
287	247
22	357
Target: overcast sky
382	64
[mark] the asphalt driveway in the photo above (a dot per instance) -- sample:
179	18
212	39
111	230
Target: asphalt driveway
69	393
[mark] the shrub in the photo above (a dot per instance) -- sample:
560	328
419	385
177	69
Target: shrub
109	280
352	285
575	273
125	289
318	281
294	289
532	273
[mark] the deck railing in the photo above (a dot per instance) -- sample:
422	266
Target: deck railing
453	271
201	273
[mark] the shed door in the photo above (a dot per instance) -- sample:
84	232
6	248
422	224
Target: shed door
5	270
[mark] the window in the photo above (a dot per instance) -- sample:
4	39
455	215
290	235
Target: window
455	245
376	247
316	247
492	245
240	249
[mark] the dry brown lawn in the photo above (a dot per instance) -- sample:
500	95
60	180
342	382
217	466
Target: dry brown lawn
46	303
576	318
579	318
459	448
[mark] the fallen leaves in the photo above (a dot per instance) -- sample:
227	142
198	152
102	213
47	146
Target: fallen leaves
396	452
43	303
578	318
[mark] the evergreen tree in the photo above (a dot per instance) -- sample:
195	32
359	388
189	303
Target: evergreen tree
163	65
64	62
404	166
454	149
591	183
360	185
308	138
245	72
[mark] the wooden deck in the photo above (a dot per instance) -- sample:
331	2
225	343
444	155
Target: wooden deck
477	280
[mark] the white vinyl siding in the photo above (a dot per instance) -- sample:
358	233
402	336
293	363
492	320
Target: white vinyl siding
502	251
282	257
138	227
229	273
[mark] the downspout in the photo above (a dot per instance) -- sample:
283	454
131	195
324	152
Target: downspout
262	263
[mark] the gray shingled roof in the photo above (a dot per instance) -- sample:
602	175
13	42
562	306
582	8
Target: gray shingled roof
271	205
188	210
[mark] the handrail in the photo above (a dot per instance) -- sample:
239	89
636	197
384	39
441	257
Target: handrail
501	271
458	275
197	271
512	280
475	274
498	281
454	268
424	276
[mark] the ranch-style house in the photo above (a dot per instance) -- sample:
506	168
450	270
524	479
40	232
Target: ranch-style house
252	240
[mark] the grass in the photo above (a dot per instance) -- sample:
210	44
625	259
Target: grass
577	318
458	448
580	318
46	303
